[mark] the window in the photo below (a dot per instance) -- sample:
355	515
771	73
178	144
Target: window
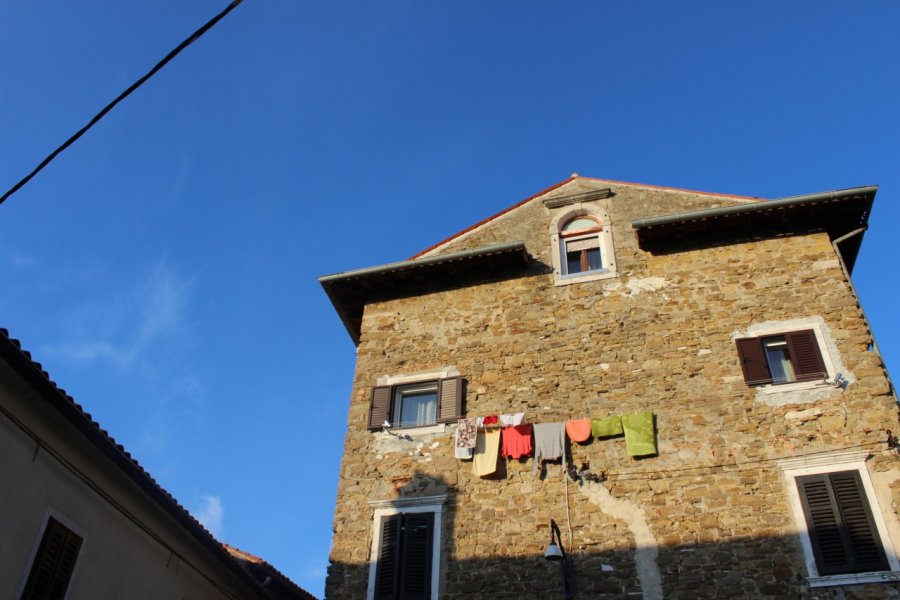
582	245
404	559
784	358
406	541
841	528
54	563
416	404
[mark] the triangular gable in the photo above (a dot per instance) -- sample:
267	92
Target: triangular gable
558	188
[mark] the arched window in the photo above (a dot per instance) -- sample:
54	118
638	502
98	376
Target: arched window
580	246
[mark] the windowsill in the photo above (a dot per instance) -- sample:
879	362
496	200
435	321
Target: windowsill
582	277
853	578
415	431
771	388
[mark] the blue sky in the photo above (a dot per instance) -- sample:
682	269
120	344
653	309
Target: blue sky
163	268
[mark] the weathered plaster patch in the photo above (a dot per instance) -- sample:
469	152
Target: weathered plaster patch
646	549
637	285
388	442
882	482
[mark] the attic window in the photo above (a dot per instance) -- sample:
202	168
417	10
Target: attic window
582	246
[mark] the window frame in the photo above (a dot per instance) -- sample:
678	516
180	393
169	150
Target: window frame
398	394
73	529
388	508
559	240
795	468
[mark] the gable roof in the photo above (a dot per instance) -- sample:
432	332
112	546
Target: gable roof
570	179
843	214
58	400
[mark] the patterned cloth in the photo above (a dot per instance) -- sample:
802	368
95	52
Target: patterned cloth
465	433
640	439
487	447
607	427
459	452
578	430
516	441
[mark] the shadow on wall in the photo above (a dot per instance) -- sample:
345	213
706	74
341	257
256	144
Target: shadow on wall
749	567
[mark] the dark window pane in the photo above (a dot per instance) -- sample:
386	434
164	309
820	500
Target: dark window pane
573	260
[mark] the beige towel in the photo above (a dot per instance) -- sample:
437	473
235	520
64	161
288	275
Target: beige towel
487	447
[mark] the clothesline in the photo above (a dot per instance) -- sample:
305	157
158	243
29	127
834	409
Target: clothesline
479	438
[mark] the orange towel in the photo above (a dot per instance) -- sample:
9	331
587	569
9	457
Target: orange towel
578	430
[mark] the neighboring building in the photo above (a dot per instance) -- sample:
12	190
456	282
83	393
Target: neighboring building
81	520
733	320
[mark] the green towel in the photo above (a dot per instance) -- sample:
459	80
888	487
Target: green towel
607	427
639	437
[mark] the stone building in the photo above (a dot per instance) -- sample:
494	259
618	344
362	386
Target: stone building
732	320
80	519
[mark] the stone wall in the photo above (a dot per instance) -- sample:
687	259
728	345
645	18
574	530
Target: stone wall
708	516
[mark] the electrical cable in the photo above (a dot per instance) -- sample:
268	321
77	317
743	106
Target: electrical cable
187	42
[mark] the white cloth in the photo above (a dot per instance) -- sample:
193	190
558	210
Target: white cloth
512	419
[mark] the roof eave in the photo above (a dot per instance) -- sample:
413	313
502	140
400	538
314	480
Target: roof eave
351	315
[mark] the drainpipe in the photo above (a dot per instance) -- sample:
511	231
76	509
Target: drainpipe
862	311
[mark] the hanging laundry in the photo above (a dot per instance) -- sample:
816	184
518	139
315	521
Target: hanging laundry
462	452
640	439
578	430
516	441
487	445
607	427
465	433
492	420
512	419
549	441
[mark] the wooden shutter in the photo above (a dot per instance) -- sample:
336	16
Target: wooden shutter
415	567
387	571
450	399
753	361
843	535
54	563
380	409
805	355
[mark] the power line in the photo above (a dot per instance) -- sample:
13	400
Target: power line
187	42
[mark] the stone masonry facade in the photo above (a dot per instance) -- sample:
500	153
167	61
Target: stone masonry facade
710	515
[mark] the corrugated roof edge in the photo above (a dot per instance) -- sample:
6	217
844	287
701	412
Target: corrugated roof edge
564	182
29	369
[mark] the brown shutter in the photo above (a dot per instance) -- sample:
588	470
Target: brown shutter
380	409
387	572
415	569
856	516
805	355
450	402
753	361
841	529
54	563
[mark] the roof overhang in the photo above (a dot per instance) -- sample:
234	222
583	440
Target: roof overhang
837	213
350	291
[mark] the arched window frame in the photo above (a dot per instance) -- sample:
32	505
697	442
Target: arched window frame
560	239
